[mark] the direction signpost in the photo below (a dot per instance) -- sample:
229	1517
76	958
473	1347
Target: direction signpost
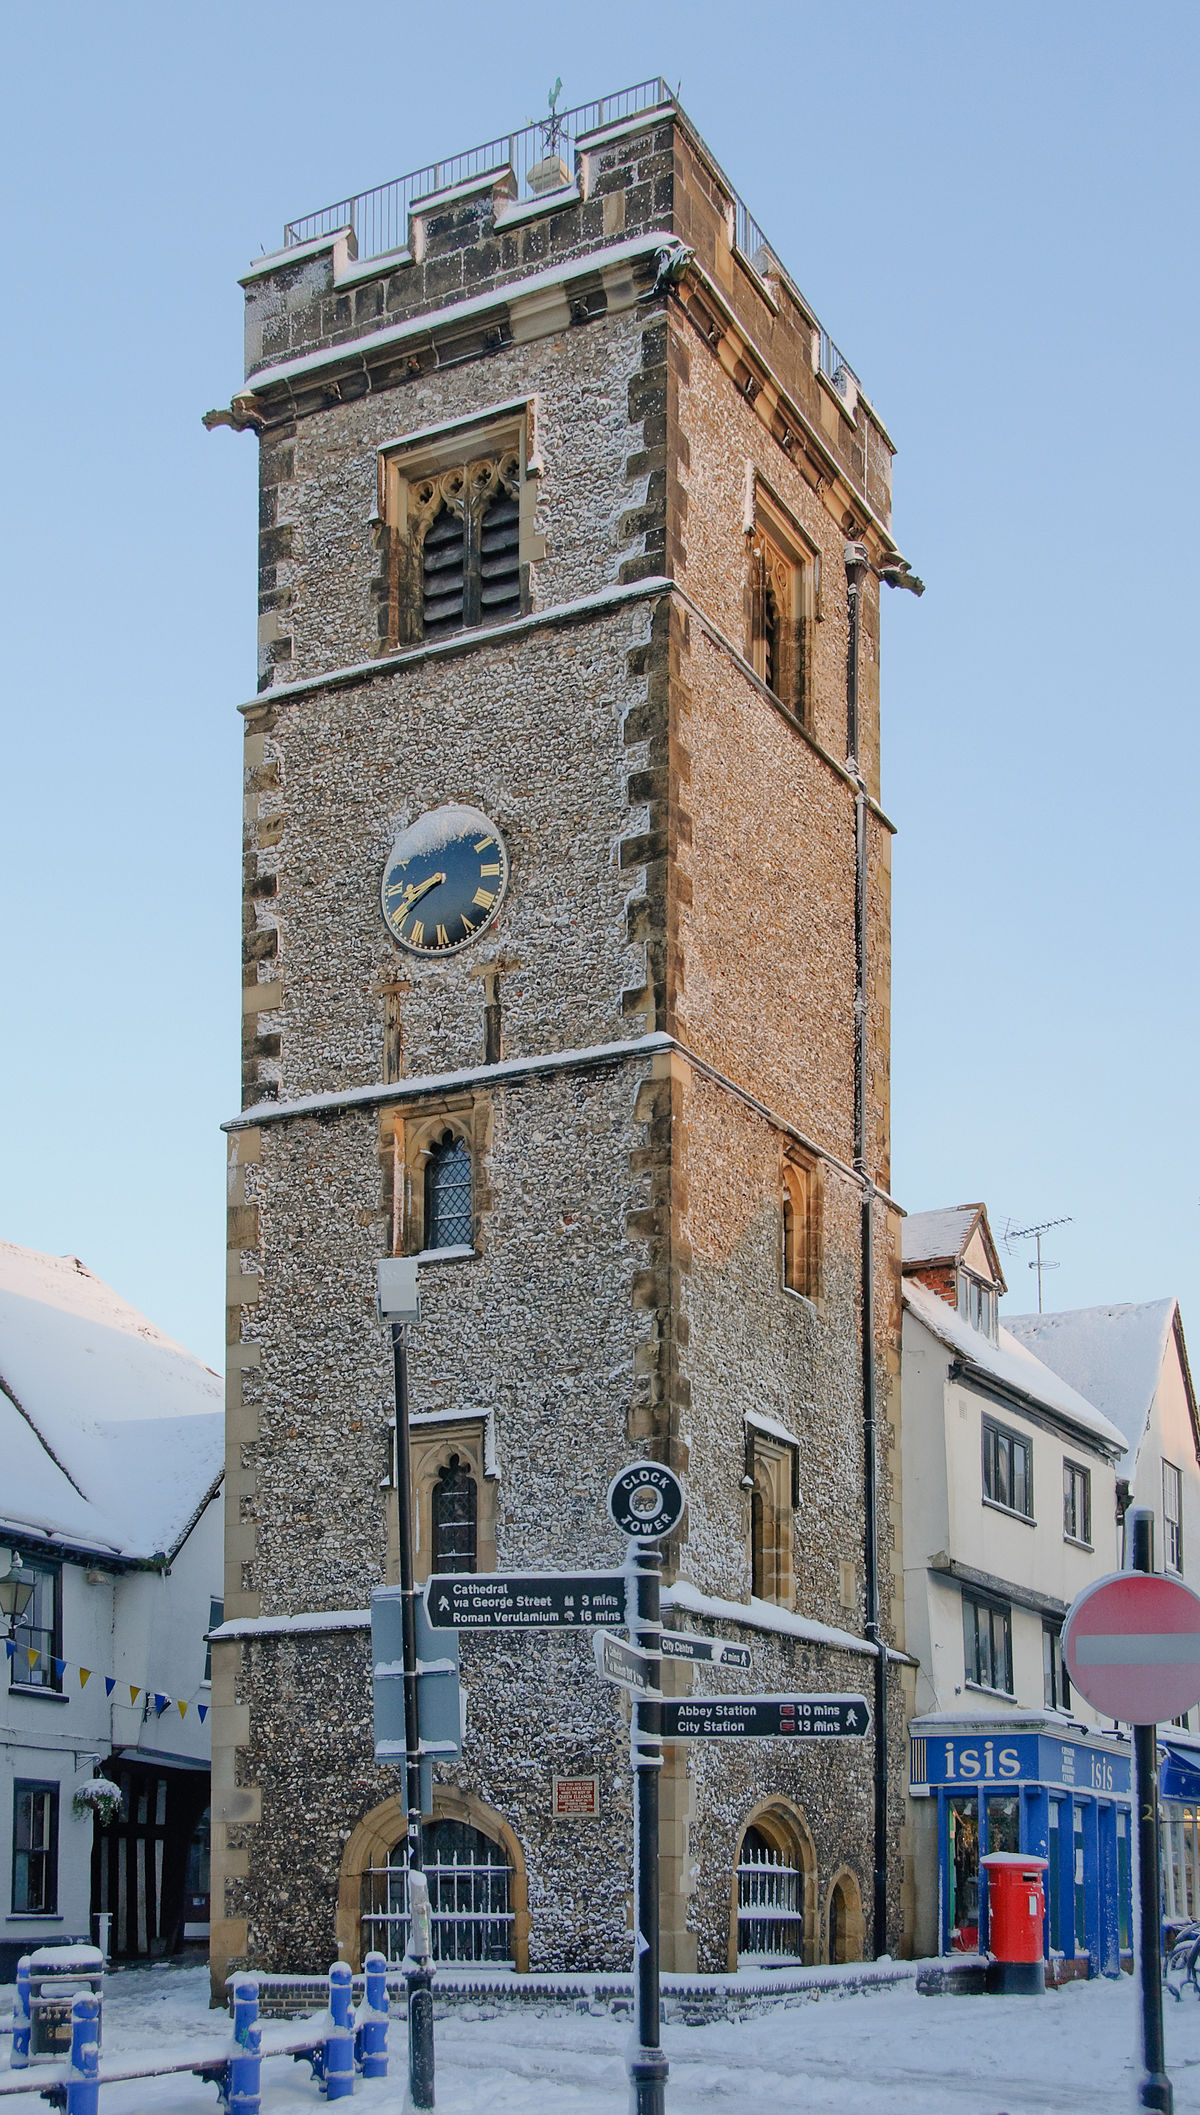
618	1662
1132	1648
683	1645
765	1717
646	1503
526	1601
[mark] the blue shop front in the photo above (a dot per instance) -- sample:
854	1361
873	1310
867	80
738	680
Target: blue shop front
1026	1783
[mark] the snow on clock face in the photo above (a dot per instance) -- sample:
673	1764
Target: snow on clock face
444	880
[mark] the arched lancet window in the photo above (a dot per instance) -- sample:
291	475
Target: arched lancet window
846	1926
760	1580
772	639
455	1518
801	1247
448	1194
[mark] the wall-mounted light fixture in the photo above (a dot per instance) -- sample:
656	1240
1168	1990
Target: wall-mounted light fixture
16	1590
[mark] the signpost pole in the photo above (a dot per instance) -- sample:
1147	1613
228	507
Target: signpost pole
1154	2087
417	1974
647	2065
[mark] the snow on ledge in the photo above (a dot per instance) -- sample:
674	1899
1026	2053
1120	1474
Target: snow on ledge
444	1082
292	1626
422	325
770	1427
764	1615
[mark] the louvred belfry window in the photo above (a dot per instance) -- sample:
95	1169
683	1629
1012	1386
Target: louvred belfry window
466	526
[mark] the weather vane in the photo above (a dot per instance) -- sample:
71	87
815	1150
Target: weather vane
553	125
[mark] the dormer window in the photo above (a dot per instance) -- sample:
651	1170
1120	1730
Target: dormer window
977	1303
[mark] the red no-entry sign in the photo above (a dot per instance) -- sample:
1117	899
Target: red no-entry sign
1132	1647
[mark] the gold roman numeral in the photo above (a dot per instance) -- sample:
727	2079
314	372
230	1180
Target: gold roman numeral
485	898
495	869
483	844
443	937
416	933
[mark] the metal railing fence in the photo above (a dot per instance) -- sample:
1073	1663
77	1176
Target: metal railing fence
770	1914
379	217
469	1902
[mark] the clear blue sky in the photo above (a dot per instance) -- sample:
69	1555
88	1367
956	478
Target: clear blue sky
993	212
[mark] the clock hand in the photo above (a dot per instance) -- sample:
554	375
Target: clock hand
415	891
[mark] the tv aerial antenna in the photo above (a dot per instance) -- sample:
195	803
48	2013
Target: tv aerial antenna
1037	1262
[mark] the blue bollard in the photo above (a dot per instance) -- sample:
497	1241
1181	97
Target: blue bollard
83	2082
372	2016
22	2017
245	2073
245	2065
339	2042
245	2006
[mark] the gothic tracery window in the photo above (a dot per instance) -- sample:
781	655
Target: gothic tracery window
466	525
448	1216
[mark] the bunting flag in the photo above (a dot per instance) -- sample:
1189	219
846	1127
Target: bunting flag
62	1668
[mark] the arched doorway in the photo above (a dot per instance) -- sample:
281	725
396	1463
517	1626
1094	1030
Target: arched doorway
844	1922
774	1888
477	1887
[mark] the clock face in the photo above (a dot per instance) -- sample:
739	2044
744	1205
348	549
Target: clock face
444	880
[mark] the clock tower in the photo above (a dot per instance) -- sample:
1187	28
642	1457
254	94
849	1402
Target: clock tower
566	962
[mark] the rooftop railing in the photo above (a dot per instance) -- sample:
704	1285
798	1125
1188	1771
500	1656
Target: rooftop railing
379	218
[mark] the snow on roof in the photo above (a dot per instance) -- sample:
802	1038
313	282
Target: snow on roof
1113	1355
1009	1363
112	1433
932	1237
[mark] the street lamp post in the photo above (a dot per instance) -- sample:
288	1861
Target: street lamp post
399	1305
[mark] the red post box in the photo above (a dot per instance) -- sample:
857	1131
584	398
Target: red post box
1016	1921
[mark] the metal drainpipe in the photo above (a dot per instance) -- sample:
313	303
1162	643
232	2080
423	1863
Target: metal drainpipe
857	567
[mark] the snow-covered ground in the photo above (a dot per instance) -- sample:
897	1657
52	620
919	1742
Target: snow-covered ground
887	2052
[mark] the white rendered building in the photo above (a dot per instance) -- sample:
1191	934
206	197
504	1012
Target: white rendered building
1130	1359
111	1440
1010	1510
